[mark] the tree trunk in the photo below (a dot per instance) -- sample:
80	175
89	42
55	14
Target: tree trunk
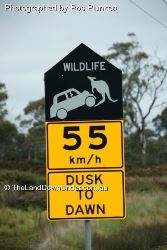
142	138
29	155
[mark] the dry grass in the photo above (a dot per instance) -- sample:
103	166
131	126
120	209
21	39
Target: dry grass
144	228
17	229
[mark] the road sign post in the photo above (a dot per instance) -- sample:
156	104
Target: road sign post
88	241
84	139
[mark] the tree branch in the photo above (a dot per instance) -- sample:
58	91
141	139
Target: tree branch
155	96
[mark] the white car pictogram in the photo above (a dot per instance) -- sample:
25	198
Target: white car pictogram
69	100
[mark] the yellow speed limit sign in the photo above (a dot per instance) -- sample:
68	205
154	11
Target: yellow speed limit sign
84	145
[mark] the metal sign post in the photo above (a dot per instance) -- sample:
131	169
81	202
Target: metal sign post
88	243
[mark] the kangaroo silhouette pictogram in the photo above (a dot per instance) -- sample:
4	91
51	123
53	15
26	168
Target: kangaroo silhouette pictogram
101	87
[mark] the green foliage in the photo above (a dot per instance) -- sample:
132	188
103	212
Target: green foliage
3	98
9	139
24	200
160	122
34	121
157	151
35	113
17	229
7	131
138	238
22	164
132	150
21	177
146	184
152	170
18	198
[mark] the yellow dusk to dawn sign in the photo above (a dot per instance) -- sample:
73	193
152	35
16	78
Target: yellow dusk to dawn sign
84	138
98	194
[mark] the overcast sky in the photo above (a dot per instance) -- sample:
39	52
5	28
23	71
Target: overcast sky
31	43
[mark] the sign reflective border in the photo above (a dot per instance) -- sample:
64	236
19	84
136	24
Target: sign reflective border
84	145
86	195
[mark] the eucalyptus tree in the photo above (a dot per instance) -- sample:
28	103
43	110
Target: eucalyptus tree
143	78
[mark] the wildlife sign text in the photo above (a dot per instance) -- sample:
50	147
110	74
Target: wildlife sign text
83	86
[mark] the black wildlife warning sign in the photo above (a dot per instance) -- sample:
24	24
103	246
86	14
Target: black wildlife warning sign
83	86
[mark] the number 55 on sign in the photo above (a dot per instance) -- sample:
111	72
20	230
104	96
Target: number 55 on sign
84	145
